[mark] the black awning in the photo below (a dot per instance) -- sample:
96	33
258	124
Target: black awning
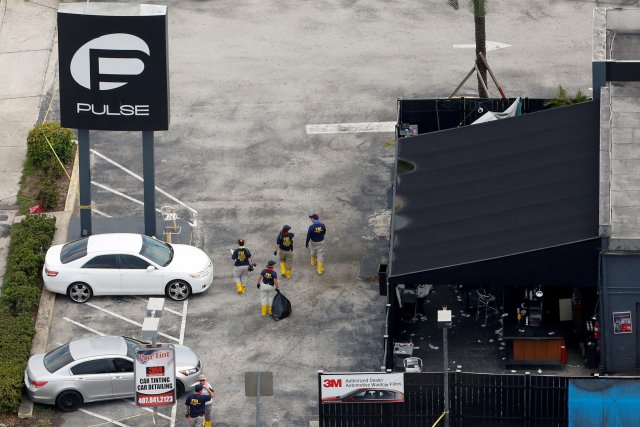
495	190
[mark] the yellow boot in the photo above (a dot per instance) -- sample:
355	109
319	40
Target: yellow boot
264	310
288	274
207	424
321	268
313	260
239	288
283	269
269	310
244	287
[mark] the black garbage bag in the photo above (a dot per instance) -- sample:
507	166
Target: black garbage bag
281	306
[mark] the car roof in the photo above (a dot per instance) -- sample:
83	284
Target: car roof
114	242
98	346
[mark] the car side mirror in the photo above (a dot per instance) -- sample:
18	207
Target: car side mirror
150	268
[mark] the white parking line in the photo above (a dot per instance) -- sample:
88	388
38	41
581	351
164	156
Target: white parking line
183	325
177	313
146	409
159	190
104	310
362	127
83	326
93	414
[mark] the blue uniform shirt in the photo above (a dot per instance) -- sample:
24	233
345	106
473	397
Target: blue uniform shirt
268	276
196	402
316	232
285	241
241	256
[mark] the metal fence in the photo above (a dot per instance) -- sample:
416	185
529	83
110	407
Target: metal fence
482	400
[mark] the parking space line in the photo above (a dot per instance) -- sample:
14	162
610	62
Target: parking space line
83	326
104	310
361	127
158	189
177	313
183	325
147	409
102	417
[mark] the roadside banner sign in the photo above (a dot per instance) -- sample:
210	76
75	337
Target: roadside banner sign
155	375
362	388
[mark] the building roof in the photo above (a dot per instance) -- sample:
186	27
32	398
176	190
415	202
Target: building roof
501	189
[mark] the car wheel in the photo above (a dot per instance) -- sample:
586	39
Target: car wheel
179	388
69	401
178	290
79	292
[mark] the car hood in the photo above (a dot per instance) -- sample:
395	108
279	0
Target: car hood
53	255
189	259
185	357
35	367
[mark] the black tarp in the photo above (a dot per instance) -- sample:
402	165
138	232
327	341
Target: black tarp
518	186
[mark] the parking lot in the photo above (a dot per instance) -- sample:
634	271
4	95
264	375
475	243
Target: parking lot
246	79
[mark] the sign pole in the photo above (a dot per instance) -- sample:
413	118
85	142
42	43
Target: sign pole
84	169
258	400
148	174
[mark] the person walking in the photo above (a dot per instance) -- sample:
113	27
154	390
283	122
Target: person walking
284	244
195	406
315	238
243	263
208	406
267	283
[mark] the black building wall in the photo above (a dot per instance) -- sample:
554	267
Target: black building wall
620	292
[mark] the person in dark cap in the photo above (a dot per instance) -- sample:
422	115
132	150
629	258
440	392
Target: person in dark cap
242	264
284	244
267	283
315	239
195	406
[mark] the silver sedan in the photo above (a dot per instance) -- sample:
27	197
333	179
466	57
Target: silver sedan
95	369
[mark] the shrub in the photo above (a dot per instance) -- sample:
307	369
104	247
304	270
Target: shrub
15	278
48	195
21	300
38	149
15	348
51	169
25	259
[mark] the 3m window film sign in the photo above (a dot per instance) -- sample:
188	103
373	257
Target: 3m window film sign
155	376
113	66
362	388
622	322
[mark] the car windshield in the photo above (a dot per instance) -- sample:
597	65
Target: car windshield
132	343
57	358
157	251
73	250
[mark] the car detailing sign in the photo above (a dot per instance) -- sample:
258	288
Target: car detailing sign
113	66
362	388
155	375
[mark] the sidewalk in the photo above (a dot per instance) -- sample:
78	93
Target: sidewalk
28	61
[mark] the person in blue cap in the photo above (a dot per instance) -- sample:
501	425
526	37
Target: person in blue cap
267	283
315	239
284	244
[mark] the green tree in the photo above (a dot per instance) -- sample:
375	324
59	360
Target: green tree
479	9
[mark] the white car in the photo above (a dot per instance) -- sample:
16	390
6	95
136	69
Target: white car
126	264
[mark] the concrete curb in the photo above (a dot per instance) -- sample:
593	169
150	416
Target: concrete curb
48	299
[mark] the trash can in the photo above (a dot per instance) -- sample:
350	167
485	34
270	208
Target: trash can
592	361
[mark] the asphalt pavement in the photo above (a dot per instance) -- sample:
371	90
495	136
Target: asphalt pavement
246	78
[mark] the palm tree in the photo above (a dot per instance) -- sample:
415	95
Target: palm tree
479	9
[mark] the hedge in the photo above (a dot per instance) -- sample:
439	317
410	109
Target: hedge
19	300
38	149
